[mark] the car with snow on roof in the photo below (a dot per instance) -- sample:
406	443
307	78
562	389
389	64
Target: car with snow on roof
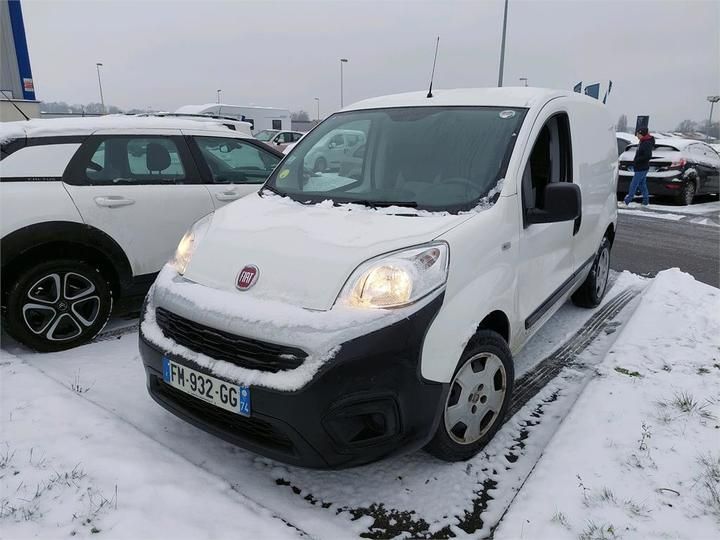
679	168
328	321
92	208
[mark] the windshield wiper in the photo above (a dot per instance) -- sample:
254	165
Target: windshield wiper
380	204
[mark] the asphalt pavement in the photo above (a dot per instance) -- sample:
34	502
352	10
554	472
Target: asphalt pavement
646	245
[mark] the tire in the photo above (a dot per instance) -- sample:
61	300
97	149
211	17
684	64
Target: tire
58	305
593	289
320	165
687	193
486	359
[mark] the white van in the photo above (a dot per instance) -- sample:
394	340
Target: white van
259	118
330	321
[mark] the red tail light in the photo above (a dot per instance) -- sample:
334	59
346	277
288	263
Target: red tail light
679	164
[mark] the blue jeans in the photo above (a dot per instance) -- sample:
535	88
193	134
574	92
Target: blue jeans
639	180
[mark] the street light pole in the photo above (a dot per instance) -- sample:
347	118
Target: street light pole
318	108
502	47
524	79
98	65
218	96
713	100
342	61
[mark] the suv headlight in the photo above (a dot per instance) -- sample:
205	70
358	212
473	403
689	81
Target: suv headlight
189	242
399	278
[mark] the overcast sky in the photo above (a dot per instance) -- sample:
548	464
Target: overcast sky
662	56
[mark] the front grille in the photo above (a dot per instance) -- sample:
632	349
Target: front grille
233	425
243	352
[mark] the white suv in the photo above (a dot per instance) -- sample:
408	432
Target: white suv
91	209
328	321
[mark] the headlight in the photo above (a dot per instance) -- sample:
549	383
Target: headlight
188	243
399	278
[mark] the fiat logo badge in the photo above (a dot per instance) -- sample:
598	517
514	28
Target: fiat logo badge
247	277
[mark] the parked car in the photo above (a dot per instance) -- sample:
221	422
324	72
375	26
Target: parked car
278	139
679	168
329	153
92	208
329	325
624	140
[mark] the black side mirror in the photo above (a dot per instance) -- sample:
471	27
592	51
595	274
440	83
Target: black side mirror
563	202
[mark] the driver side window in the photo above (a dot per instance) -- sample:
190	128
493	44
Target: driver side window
234	161
550	161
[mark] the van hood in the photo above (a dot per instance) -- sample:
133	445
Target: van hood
304	254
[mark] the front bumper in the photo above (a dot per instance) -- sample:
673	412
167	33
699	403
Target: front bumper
369	402
661	186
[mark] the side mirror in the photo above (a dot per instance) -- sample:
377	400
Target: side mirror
563	202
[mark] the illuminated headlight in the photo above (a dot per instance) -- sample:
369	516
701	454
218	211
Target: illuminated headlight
399	278
189	243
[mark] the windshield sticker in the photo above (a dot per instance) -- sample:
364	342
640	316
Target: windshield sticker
283	173
506	114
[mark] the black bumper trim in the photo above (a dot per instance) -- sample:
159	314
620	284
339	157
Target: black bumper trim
367	403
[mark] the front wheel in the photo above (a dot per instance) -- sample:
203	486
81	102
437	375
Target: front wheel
58	305
478	399
592	291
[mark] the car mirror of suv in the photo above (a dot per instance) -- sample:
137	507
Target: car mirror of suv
563	202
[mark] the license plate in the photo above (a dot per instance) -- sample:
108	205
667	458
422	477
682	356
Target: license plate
230	397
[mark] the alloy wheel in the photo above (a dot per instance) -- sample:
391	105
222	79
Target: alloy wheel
61	305
601	272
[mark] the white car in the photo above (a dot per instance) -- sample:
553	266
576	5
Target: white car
92	208
278	139
329	153
329	321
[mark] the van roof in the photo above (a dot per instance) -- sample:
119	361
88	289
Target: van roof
48	127
205	106
522	96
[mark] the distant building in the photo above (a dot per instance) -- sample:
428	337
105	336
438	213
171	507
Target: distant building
17	90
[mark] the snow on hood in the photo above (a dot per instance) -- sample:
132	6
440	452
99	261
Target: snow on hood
304	253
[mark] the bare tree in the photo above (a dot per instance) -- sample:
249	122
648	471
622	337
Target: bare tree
686	126
300	116
622	123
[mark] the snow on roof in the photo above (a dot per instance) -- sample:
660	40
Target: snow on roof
501	97
627	136
46	127
201	108
675	142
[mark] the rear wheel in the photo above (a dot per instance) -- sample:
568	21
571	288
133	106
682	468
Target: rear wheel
687	194
58	305
478	399
592	291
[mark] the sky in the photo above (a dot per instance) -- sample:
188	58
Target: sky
663	56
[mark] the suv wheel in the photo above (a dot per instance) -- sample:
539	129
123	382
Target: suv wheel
591	292
687	194
478	399
320	164
58	305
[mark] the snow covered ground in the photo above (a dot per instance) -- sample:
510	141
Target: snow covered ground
84	450
639	454
703	213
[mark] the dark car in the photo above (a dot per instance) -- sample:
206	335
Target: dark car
679	168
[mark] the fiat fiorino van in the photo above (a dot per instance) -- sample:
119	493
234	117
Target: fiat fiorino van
331	320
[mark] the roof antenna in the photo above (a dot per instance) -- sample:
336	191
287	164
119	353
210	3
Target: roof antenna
10	99
437	44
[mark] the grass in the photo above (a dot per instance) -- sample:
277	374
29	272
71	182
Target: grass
77	386
593	531
627	372
559	517
710	481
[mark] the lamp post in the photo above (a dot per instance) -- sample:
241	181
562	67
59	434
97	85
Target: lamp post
218	96
524	79
342	61
502	46
713	100
318	108
98	65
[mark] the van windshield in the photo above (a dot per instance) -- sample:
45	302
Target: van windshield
433	158
265	135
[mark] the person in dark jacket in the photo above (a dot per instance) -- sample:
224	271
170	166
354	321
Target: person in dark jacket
641	164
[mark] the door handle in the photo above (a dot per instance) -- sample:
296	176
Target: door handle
113	201
227	196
